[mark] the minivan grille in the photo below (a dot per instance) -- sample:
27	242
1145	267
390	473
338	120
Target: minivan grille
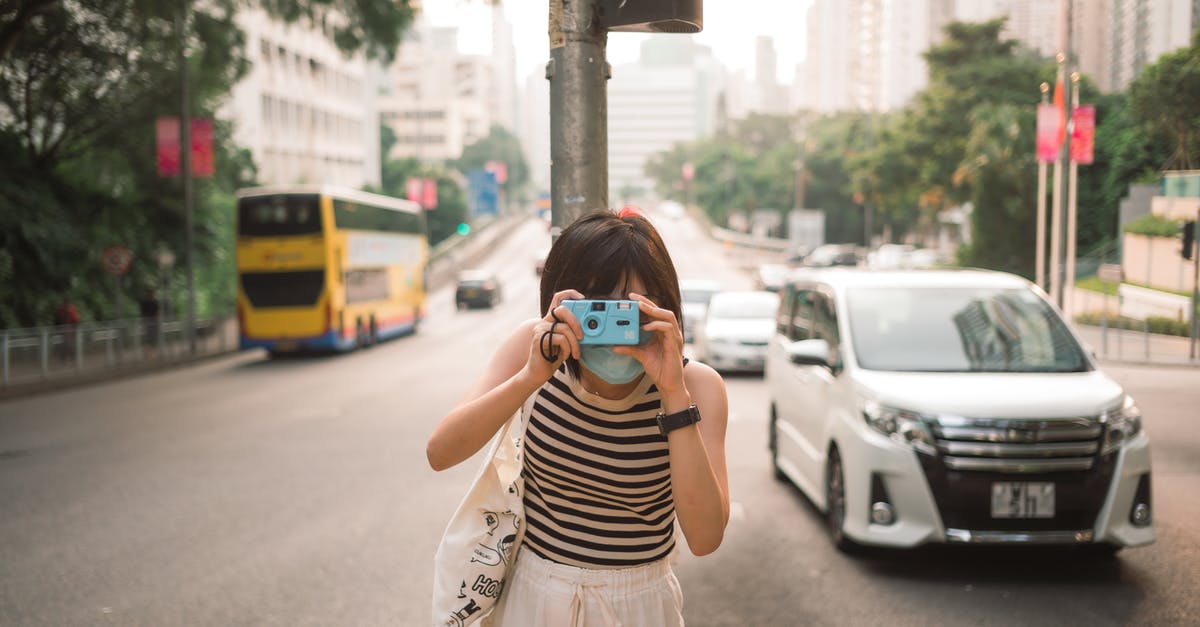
1018	446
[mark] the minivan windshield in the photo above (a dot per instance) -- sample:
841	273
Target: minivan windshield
959	329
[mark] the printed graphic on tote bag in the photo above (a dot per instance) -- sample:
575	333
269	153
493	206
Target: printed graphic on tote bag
492	550
502	532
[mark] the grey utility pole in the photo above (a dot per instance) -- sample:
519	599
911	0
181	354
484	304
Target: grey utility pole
578	71
185	173
1065	154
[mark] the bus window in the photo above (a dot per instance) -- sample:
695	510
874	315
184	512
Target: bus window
283	289
278	215
350	215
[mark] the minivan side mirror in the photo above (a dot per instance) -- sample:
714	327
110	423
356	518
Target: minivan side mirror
809	353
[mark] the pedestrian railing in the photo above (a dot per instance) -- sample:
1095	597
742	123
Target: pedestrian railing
60	352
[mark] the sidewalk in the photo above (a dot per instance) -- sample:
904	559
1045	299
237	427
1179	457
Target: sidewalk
1137	347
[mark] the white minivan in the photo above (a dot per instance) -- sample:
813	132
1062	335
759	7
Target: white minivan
931	406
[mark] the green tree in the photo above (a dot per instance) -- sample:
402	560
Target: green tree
373	26
499	145
753	166
1164	99
909	173
998	161
81	84
442	221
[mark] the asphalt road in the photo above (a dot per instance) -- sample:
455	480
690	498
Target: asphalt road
245	491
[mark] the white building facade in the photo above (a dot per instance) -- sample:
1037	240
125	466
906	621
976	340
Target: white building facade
437	100
305	111
668	96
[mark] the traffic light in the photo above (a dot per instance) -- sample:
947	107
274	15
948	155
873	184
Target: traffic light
464	228
1189	238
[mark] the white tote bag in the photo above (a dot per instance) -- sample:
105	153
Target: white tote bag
481	540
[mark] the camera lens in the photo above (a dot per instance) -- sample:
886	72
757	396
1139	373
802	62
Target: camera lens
593	323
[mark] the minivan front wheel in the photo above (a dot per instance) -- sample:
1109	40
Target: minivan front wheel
835	502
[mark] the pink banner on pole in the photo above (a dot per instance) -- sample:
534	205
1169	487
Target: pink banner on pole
412	189
202	148
166	131
1047	132
1083	136
429	195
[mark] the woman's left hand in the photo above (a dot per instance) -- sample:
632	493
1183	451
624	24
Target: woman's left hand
662	355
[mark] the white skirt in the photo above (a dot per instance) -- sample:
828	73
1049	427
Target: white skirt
542	593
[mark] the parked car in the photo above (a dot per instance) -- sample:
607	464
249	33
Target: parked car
695	294
736	330
539	261
771	276
832	255
477	288
916	407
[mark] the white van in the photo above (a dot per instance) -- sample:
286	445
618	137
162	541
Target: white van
916	407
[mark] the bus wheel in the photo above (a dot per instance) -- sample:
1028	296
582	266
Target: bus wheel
360	334
373	334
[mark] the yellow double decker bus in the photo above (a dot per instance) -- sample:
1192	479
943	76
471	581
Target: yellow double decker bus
324	268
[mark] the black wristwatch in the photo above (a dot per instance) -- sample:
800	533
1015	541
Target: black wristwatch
670	422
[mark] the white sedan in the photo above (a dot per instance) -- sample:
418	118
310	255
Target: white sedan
736	330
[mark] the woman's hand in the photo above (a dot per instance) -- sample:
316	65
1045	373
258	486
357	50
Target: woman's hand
555	337
662	355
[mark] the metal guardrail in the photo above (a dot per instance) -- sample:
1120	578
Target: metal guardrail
746	240
40	354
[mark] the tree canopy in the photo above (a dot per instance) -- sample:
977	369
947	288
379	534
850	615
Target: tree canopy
81	85
967	139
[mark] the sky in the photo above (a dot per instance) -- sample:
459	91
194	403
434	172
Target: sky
730	29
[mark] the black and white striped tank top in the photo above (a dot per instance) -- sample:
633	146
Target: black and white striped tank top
597	477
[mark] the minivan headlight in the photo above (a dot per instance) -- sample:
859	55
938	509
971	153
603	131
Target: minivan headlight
1121	423
903	426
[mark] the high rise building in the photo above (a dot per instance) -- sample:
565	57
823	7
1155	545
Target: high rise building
438	101
867	54
535	128
770	96
669	95
1143	30
306	112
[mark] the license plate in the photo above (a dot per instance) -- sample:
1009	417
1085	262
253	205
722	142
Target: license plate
286	345
470	293
1022	499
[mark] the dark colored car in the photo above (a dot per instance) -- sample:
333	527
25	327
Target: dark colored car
477	288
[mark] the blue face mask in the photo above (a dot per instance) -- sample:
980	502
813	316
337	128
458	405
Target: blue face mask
613	368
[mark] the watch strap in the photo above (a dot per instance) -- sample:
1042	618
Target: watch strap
670	422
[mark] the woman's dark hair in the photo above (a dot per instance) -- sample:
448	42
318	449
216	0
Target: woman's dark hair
599	254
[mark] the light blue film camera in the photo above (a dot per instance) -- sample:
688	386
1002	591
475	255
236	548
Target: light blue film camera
607	322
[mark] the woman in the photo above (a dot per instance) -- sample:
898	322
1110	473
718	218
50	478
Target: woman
604	483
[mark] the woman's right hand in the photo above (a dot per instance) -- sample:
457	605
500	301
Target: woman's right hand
555	337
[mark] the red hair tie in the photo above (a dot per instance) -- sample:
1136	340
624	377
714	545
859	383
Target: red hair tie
629	210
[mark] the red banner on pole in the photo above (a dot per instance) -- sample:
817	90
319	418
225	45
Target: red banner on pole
202	148
429	198
1083	136
499	168
1047	133
166	131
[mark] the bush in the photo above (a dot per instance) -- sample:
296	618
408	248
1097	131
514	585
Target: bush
1154	324
1153	226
